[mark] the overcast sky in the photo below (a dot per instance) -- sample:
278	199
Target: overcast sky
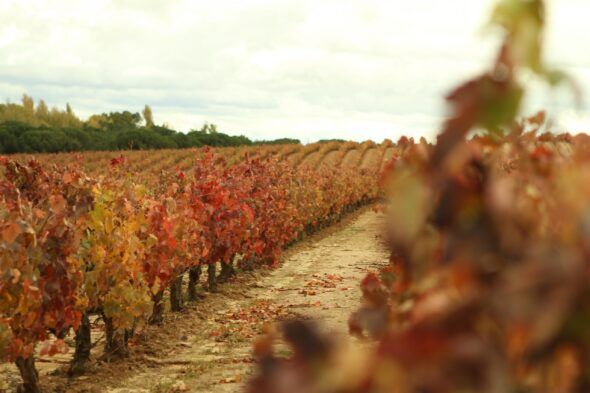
311	69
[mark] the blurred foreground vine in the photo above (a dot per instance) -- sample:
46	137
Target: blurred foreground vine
488	286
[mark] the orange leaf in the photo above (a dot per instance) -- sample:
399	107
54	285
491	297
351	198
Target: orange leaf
57	203
11	232
67	178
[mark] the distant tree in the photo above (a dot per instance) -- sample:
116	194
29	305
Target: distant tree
96	121
143	139
182	140
47	141
14	112
115	121
32	127
148	116
208	129
56	118
28	105
42	111
164	131
71	119
124	121
281	141
241	140
9	132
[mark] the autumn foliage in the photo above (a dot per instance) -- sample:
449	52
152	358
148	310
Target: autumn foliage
74	246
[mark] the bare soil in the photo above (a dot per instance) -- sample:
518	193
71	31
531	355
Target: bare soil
372	159
310	160
332	158
351	159
208	348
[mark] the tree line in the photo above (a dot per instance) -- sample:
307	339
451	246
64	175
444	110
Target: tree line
30	127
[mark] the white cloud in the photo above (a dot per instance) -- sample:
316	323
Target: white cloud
268	68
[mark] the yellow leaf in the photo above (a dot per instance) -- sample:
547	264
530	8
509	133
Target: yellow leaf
67	178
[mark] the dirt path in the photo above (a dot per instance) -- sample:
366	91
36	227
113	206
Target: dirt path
208	348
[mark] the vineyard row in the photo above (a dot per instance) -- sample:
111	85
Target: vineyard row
73	246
